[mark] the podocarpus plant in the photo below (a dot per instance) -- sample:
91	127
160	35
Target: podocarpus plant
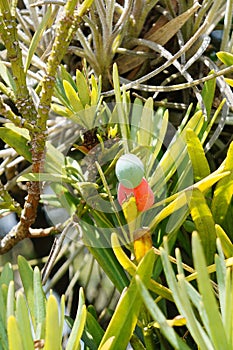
178	173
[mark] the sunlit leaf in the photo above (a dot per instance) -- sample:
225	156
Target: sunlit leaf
10	310
196	153
223	191
124	319
74	100
160	318
78	326
14	337
204	223
39	302
83	88
37	37
18	142
23	320
7	274
225	57
226	243
215	325
26	275
52	327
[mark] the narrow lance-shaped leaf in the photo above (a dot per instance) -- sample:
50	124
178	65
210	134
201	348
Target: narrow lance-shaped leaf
130	267
7	274
225	57
197	156
183	302
39	302
160	318
11	299
23	320
83	88
226	243
37	37
125	317
52	327
215	324
26	275
14	337
146	122
17	141
74	100
207	93
223	191
78	326
204	223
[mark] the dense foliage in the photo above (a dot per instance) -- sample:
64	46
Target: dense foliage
116	174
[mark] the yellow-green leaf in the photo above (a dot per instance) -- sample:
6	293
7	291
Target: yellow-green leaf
23	319
225	57
52	328
226	243
37	36
229	81
204	223
78	326
17	141
223	191
126	313
72	96
197	156
130	267
14	337
83	88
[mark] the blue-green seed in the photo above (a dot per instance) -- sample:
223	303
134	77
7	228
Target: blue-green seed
129	170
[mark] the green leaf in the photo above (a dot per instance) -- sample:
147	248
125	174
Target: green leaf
204	223
62	318
6	76
144	133
180	201
215	325
23	321
10	310
26	275
160	318
197	156
39	302
3	335
18	142
74	100
94	96
44	177
175	154
14	337
7	274
37	36
223	191
83	88
52	327
97	245
92	333
226	243
78	326
136	118
3	315
125	317
229	81
207	93
183	302
225	57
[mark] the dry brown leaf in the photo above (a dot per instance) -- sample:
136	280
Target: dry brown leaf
160	36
